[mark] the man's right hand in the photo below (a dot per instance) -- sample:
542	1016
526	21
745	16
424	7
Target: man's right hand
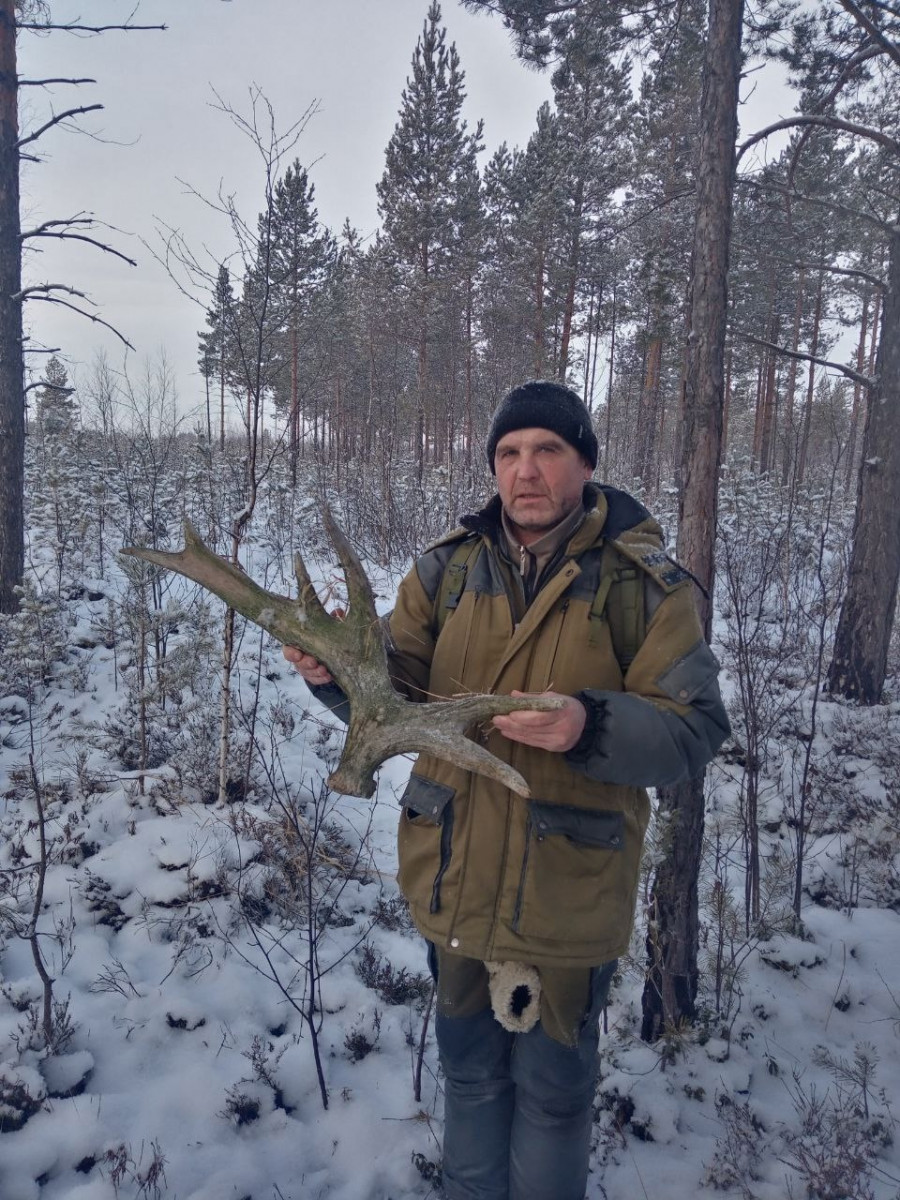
310	668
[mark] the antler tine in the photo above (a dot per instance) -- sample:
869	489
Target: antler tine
359	591
306	593
221	577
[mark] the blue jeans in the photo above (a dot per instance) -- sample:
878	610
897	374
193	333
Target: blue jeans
518	1107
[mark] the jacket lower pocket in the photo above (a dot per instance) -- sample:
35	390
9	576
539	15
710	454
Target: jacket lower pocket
425	840
578	874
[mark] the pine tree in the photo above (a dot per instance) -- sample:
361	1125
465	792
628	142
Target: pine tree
55	409
595	116
217	349
540	236
673	939
303	254
424	196
846	62
663	193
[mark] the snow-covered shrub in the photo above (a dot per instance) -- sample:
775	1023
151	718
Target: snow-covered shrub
22	1094
362	1037
33	645
392	985
735	1166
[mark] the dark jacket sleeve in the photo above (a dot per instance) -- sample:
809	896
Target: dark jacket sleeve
332	695
669	721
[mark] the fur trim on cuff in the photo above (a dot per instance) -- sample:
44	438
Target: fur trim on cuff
515	995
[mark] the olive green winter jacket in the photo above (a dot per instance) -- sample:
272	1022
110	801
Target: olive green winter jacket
551	880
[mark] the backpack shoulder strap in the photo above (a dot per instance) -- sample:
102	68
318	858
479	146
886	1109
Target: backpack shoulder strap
453	580
619	602
627	617
635	561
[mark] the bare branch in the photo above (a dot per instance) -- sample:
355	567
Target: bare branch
75	27
47	82
83	237
63	116
382	723
874	31
51	299
45	289
866	131
61	228
652	209
865	380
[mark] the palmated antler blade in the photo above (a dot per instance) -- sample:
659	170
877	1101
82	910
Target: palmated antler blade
382	723
438	729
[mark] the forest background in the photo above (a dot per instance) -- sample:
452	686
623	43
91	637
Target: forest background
363	372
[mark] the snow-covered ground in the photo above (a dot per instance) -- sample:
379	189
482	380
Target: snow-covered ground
177	932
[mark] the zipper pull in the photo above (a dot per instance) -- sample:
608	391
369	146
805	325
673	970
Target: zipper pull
523	561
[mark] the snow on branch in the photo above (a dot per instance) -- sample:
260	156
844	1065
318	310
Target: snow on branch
866	131
857	376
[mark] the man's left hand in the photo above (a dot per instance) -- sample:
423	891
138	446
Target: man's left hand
558	730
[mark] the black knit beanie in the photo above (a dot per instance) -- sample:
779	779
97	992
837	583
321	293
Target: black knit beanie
542	404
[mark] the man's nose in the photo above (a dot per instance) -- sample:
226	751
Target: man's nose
527	467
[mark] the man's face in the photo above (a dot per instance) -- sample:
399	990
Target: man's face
540	479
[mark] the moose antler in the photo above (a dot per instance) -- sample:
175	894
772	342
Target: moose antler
382	723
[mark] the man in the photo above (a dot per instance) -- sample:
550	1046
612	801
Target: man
560	586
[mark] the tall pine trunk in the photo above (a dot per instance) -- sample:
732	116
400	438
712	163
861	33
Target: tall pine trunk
539	332
859	397
789	441
803	453
671	988
12	387
857	389
572	282
859	665
648	410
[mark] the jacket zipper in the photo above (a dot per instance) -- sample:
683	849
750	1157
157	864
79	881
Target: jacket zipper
446	842
559	628
520	894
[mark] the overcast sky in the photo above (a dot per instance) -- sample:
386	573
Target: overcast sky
350	57
163	135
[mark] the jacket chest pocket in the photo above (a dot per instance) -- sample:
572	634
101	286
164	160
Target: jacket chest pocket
576	880
579	651
470	645
425	840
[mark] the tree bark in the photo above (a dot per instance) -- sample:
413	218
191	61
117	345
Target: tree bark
671	987
811	383
12	385
648	411
859	665
857	391
572	284
789	441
